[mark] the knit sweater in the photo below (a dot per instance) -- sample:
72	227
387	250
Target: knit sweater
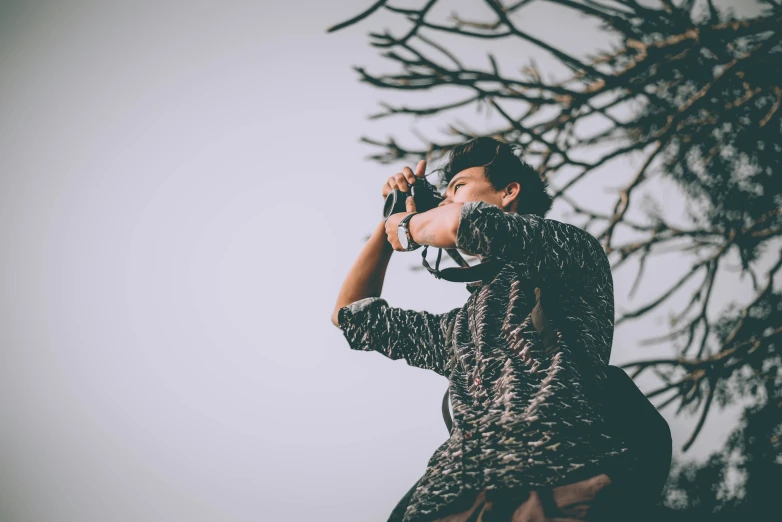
524	415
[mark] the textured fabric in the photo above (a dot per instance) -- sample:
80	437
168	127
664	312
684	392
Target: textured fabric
524	417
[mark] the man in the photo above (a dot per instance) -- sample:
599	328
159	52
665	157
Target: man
526	421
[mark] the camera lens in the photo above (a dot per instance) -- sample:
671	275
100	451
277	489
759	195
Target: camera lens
388	206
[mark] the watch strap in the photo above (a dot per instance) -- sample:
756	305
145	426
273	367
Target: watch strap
404	224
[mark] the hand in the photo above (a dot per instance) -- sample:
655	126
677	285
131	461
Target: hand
437	227
392	223
404	179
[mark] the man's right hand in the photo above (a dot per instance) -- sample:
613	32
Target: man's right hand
404	179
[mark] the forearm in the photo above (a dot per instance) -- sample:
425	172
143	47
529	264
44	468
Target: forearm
365	278
436	227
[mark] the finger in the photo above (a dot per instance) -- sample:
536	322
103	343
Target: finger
410	204
420	169
409	176
392	184
391	234
389	231
401	182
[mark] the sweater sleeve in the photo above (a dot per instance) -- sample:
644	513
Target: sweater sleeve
417	337
553	249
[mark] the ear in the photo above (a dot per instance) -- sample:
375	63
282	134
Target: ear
510	197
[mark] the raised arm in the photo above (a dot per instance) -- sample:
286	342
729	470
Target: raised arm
365	278
555	250
367	321
369	324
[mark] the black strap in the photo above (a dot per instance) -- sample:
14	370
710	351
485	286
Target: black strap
541	324
481	272
446	411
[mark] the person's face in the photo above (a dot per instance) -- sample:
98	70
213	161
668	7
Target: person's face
472	185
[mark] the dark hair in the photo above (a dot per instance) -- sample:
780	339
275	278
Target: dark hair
501	166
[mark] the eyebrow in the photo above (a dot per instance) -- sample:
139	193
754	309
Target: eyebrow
454	180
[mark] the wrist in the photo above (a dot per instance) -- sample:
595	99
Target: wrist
405	234
415	226
381	237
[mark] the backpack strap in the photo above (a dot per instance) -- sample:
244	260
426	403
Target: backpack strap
541	324
446	412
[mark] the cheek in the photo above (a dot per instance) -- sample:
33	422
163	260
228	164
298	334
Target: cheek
477	194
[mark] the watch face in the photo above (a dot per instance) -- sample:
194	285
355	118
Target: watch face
402	237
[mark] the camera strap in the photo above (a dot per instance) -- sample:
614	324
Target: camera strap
487	269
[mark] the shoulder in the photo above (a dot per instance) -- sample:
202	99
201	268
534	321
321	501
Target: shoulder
558	230
576	251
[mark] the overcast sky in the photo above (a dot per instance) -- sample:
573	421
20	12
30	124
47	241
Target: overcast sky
182	191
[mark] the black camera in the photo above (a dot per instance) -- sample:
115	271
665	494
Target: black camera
427	197
424	194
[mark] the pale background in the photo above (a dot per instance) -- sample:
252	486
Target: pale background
182	191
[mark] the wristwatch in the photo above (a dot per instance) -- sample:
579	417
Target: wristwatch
405	239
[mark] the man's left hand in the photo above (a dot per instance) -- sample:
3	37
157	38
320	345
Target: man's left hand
392	224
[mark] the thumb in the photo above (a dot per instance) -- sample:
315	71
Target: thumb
410	204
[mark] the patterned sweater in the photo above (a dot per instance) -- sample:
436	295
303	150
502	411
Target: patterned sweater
523	416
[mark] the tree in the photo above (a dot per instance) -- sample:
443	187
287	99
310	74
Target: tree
692	93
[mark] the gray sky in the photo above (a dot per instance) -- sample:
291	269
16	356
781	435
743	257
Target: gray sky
182	192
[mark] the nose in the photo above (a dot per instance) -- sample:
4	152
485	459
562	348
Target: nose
443	202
